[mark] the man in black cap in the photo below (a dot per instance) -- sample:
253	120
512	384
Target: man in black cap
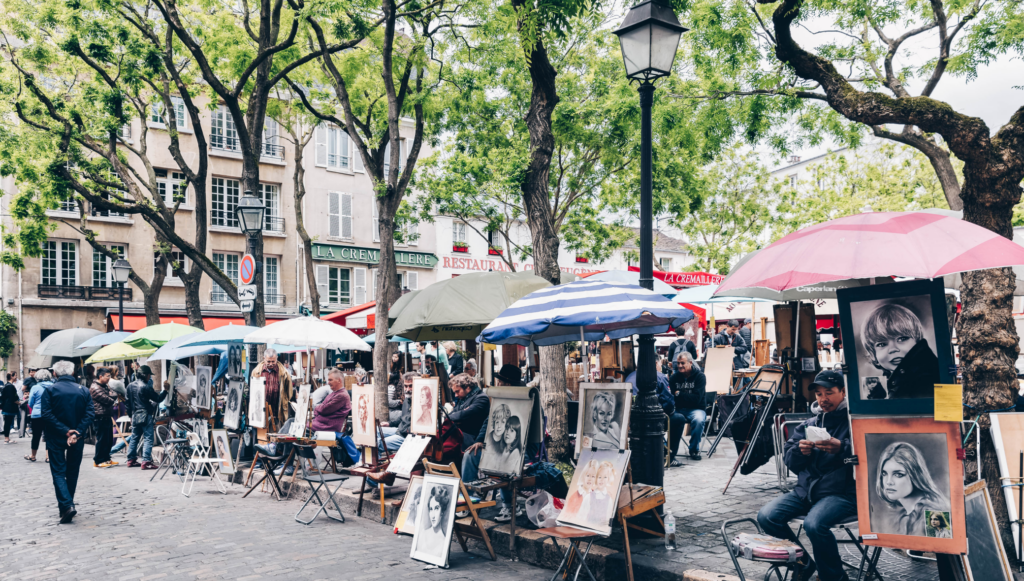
142	405
825	493
67	412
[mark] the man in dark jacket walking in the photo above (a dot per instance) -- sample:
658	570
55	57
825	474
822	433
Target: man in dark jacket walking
689	386
825	494
67	411
103	400
142	404
731	336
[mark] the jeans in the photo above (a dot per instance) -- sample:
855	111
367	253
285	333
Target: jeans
37	432
392	439
145	433
678	421
65	461
104	439
471	472
819	518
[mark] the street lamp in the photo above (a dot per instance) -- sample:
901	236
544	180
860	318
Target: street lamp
649	37
121	270
249	214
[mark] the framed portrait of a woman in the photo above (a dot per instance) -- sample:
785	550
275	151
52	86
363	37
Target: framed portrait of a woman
424	406
363	425
910	491
435	520
604	416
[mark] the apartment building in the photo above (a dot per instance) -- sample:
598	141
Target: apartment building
72	285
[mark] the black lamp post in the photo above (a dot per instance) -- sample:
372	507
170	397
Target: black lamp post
121	270
649	37
249	213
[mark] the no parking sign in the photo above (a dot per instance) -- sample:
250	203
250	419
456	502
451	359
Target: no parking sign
247	269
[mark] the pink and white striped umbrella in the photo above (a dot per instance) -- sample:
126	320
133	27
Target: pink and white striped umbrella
877	244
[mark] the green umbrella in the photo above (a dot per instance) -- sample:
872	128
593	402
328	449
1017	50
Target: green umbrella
460	307
156	335
119	352
400	304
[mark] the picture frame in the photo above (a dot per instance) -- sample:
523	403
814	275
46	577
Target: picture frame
233	405
603	421
986	561
424	406
907	469
1008	439
508	431
257	403
906	324
406	520
364	431
235	353
593	497
222	447
435	521
298	428
204	387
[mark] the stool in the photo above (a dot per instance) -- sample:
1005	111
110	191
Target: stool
776	565
270	462
574	536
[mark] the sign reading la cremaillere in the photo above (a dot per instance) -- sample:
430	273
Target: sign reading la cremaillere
371	255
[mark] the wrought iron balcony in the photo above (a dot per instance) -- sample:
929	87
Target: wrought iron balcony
54	291
274	151
98	293
272	224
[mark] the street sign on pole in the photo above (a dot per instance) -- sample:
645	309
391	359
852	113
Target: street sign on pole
247	269
246	292
246	306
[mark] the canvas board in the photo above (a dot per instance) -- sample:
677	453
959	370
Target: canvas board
718	369
257	403
986	560
907	471
408	456
204	385
603	421
1008	439
298	428
406	522
896	345
435	520
785	327
594	492
424	406
235	352
233	405
508	430
363	425
222	448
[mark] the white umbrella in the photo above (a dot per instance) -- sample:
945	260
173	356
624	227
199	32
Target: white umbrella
309	332
65	343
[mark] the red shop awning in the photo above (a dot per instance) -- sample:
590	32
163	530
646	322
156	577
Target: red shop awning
133	323
683	279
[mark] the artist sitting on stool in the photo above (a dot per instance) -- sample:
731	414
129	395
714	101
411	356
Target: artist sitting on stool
470	409
688	385
825	494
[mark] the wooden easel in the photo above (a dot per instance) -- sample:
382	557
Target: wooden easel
365	469
513	484
642	499
475	527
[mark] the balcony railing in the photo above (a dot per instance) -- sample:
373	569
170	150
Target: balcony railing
99	212
273	299
53	291
275	151
224	142
271	224
219	296
109	293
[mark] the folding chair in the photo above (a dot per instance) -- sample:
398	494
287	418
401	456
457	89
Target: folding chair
176	452
270	461
575	537
317	480
199	461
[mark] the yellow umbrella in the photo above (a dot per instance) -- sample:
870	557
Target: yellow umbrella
117	352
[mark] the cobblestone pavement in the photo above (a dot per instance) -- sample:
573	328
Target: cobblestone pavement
128	528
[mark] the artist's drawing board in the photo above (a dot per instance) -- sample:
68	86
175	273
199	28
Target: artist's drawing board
298	428
512	425
1008	439
408	456
986	558
718	369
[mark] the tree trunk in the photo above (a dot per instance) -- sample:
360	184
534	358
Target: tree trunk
299	188
387	293
193	308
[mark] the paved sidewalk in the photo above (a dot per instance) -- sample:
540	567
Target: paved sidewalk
128	528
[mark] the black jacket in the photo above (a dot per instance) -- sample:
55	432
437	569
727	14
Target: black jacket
457	364
9	399
739	346
689	390
471	412
141	393
916	375
406	425
66	406
678	346
821	474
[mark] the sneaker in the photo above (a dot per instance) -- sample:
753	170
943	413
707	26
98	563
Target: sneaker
149	466
133	464
103	465
695	456
504	515
462	514
676	463
112	463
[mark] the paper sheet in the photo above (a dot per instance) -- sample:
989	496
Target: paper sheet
949	402
816	434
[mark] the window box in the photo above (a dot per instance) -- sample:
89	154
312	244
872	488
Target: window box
495	251
582	259
464	249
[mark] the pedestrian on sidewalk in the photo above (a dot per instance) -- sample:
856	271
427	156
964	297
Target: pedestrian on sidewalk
9	402
142	405
67	411
24	390
825	493
103	400
42	381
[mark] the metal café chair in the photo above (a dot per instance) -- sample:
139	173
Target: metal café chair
317	480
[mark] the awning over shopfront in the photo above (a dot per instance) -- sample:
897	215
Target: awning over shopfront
136	322
360	319
685	279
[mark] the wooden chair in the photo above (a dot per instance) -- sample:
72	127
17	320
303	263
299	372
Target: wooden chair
475	528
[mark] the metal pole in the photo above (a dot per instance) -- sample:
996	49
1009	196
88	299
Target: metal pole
120	306
647	417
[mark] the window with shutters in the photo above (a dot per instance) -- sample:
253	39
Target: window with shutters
171	186
401	156
228	264
339	215
102	273
408	279
338	286
271	196
376	221
60	263
371	292
222	130
359	285
224	198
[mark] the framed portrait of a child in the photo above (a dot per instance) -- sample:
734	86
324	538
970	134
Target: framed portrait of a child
896	343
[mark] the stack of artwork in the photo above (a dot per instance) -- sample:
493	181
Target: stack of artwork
910	492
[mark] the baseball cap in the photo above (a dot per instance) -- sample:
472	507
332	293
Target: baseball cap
830	378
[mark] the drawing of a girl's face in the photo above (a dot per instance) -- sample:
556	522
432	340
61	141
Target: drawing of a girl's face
604	479
896	481
589	479
510	437
936	521
425	398
604	414
499	428
434	512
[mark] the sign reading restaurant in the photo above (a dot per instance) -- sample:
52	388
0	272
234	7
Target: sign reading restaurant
371	255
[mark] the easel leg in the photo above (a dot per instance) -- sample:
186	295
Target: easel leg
383	517
362	489
512	524
625	546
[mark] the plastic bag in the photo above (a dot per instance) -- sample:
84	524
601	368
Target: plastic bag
541	509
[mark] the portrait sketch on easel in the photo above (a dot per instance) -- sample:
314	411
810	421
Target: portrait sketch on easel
424	406
604	416
363	425
203	387
298	428
233	405
510	429
257	403
435	522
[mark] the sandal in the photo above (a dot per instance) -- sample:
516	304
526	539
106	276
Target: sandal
30	458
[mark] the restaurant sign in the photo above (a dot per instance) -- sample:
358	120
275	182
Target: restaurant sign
685	278
361	255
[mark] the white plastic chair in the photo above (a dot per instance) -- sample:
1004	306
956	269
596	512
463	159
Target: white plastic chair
200	458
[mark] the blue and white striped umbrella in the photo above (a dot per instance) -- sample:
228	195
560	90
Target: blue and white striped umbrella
555	315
